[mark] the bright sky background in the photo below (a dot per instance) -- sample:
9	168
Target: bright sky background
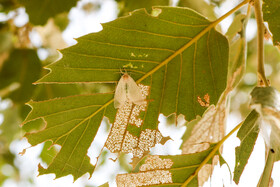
82	23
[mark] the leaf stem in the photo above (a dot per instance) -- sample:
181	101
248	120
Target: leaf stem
212	153
260	36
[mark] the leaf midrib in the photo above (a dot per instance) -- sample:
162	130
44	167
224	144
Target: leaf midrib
167	60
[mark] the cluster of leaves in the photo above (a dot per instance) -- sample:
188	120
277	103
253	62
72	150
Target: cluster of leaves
188	67
20	67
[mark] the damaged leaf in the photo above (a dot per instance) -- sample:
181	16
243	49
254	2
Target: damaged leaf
174	65
209	128
178	170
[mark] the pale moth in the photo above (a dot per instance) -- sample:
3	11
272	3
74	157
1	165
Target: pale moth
127	90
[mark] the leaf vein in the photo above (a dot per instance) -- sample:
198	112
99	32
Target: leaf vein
102	69
163	88
72	109
111	58
76	145
181	24
127	46
210	65
150	33
194	58
179	83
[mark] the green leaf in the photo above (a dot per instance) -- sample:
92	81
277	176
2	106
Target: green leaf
271	15
236	26
105	185
178	56
40	11
50	91
72	122
18	73
157	57
209	128
48	153
157	170
200	6
127	6
247	134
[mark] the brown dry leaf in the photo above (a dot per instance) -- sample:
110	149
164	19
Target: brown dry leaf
51	35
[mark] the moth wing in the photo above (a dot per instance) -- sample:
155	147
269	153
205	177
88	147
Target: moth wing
120	93
134	92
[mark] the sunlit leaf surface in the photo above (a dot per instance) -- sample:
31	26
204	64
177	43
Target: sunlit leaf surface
163	51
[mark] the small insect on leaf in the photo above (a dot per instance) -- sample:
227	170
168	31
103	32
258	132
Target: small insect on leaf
127	90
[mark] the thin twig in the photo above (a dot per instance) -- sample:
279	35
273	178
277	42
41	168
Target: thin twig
259	19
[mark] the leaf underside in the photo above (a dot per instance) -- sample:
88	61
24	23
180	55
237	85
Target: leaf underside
160	52
158	170
210	127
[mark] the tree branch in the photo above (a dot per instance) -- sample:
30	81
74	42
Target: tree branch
259	19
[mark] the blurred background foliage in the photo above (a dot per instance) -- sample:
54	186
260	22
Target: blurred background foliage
27	45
